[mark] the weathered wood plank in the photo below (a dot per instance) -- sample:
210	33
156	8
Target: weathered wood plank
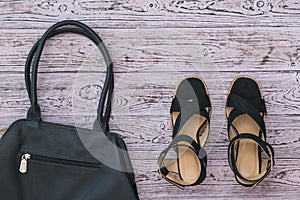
139	94
148	50
228	191
152	13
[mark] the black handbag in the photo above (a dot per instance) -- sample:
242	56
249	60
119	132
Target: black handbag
46	161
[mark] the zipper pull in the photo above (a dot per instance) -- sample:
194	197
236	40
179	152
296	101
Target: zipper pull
23	165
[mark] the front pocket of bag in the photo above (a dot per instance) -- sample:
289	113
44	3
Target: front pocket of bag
57	179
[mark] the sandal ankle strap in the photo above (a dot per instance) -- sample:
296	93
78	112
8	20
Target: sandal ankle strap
168	174
267	148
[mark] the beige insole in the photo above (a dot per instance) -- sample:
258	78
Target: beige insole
189	164
2	131
247	160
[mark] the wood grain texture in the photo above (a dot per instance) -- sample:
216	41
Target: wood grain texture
154	44
268	49
152	13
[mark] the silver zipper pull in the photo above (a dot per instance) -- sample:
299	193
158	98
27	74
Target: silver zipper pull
23	164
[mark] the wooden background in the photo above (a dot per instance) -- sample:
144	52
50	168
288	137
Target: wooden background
154	44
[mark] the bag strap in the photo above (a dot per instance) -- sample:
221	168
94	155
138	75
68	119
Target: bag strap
34	48
34	112
29	62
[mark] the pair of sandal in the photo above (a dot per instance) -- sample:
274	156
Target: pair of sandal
183	163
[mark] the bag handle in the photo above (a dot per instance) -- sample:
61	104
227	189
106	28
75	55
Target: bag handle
104	123
34	112
34	48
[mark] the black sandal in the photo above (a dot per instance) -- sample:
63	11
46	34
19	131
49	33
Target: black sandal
245	111
190	119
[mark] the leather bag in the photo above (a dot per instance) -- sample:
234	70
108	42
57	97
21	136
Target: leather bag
46	161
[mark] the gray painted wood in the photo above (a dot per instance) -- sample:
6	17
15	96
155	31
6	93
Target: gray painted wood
154	44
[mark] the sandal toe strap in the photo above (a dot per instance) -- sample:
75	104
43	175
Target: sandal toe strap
267	148
178	102
189	107
253	108
171	173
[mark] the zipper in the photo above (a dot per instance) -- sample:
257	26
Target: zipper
25	158
121	142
